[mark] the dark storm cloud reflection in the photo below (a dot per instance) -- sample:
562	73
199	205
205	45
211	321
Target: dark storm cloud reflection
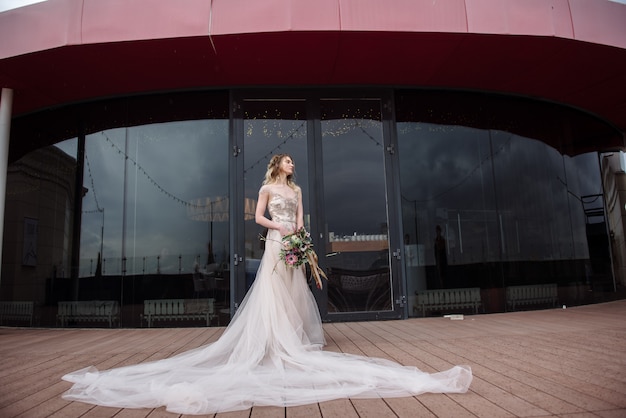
354	181
441	167
168	166
449	171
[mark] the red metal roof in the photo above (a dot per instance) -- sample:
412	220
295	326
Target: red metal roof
567	51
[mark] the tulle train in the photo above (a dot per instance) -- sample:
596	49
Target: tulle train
270	354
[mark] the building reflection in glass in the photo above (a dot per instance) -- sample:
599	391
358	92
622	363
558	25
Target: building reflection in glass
512	210
495	192
141	234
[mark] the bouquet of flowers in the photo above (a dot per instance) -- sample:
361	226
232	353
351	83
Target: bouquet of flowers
298	250
296	246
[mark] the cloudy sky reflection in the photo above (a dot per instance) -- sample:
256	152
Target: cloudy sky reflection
448	172
168	167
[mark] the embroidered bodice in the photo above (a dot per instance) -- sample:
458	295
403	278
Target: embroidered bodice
282	209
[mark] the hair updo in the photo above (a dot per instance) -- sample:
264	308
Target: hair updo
273	171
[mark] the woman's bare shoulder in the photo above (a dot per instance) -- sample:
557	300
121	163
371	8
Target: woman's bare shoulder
265	189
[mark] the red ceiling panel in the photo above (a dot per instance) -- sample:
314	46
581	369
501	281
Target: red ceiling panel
140	20
521	17
39	27
403	15
604	25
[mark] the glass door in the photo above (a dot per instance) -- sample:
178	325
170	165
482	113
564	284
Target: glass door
268	126
341	150
358	253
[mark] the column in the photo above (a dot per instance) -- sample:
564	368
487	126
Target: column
6	104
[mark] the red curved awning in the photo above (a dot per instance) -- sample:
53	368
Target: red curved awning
567	51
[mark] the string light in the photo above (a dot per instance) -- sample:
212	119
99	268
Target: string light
361	124
274	150
153	181
267	132
93	186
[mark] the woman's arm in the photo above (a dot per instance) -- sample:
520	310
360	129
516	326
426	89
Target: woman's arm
300	211
259	213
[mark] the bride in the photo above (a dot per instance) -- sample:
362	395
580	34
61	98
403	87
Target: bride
271	353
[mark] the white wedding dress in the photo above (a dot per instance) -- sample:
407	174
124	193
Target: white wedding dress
270	354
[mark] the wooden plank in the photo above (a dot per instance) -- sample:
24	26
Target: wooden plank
267	412
233	414
303	411
409	408
372	408
338	408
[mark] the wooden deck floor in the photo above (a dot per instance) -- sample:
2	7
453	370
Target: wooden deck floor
551	363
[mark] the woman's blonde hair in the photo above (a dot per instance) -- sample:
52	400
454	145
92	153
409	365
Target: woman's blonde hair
273	170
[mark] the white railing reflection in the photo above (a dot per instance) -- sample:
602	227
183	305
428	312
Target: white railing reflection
154	264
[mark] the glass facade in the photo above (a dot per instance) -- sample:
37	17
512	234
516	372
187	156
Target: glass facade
154	214
123	213
487	205
355	206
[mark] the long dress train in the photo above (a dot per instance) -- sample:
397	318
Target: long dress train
270	354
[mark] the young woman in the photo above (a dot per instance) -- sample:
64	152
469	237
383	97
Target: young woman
271	353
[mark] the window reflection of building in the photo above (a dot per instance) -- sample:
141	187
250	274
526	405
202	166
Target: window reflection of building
356	211
441	256
614	178
40	193
510	201
512	205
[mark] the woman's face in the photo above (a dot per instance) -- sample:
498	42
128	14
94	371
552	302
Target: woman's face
287	166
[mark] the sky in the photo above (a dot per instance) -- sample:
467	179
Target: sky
13	4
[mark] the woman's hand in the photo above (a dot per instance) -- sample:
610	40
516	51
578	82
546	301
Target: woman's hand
284	230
